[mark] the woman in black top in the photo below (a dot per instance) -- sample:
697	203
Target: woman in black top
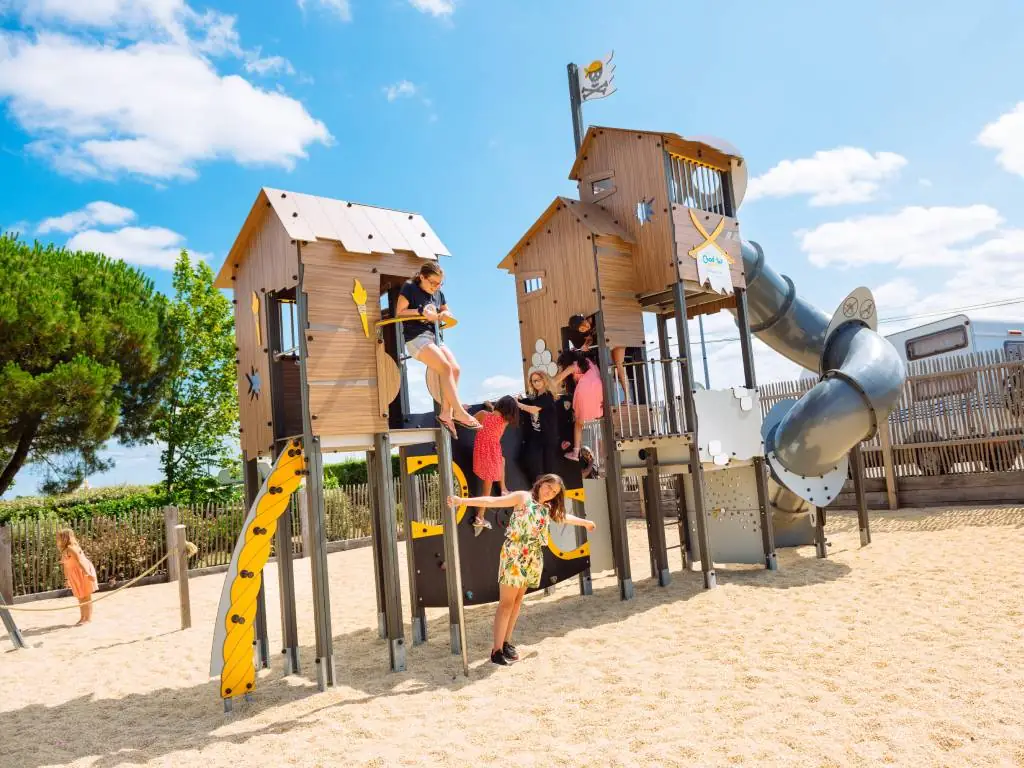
583	336
421	297
542	437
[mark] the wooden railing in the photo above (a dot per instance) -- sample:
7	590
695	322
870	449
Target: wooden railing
125	546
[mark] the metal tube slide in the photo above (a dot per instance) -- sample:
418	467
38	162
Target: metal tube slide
862	375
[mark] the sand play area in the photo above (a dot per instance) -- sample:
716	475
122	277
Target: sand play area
909	652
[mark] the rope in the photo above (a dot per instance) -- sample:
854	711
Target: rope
92	600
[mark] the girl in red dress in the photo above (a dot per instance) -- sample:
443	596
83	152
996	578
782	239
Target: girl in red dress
488	459
79	572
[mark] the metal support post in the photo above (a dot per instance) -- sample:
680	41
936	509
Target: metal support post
586	583
325	672
387	533
863	522
656	520
412	511
453	568
760	467
613	466
690	412
375	547
286	586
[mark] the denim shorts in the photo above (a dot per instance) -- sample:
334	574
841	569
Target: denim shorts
417	345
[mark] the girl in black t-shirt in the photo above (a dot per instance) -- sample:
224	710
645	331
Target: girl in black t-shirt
421	297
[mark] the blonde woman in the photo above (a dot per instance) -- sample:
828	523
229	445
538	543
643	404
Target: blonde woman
79	573
542	441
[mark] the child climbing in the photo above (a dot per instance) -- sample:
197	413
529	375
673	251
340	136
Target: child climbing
522	558
588	398
422	297
79	572
542	434
582	336
488	459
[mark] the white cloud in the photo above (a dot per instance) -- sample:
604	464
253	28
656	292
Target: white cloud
141	246
891	297
1006	136
434	7
913	237
19	227
925	183
831	177
268	65
155	106
96	213
399	90
340	8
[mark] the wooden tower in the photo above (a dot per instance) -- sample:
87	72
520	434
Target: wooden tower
312	278
654	231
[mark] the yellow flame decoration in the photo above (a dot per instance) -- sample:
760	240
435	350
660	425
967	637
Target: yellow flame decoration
359	297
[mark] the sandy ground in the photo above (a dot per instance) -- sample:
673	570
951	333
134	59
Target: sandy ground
909	652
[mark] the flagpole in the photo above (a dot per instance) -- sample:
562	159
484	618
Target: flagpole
576	104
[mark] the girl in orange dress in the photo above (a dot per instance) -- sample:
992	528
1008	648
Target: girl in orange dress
79	572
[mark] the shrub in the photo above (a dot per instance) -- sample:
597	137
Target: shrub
95	502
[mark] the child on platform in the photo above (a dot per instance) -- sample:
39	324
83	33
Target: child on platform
79	573
583	336
522	554
488	459
587	399
421	297
542	441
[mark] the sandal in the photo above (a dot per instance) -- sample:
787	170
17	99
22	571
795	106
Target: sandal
447	424
473	425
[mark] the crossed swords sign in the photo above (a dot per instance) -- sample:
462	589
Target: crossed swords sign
711	239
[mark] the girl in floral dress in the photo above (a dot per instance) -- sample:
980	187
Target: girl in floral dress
488	459
522	554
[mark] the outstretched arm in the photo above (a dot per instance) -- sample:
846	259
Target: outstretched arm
514	499
573	520
532	409
562	374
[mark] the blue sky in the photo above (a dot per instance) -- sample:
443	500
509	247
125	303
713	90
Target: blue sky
886	139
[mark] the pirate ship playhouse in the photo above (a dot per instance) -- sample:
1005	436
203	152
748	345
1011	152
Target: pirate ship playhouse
655	232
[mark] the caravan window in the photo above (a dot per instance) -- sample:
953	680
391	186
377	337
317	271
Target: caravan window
1014	350
948	340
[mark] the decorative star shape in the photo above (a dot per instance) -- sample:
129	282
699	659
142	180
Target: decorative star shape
645	211
255	384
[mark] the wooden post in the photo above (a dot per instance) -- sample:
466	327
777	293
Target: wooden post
376	544
885	438
182	576
6	566
170	525
656	520
452	564
820	543
863	522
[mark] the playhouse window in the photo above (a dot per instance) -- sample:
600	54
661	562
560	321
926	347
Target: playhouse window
532	285
948	340
288	319
697	186
602	186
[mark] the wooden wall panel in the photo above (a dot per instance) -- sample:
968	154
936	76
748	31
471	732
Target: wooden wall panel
624	319
688	237
639	165
270	263
562	249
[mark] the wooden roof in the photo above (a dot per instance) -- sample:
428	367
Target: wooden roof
697	150
357	228
590	215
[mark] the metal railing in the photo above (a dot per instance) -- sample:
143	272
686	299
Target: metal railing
697	186
654	406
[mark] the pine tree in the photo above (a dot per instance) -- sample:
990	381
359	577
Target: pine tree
81	360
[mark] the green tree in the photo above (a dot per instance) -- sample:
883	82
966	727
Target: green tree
80	360
199	410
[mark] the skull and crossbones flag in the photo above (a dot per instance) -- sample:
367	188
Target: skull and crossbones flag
597	79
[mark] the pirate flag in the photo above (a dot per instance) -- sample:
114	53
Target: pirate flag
597	79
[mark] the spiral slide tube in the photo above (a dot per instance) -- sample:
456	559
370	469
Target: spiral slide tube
807	441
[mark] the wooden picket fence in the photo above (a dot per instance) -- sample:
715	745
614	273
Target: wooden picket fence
956	436
125	546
